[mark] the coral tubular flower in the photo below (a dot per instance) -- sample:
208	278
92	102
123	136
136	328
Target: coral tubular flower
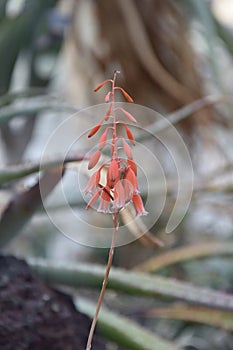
101	84
113	174
125	94
94	159
131	164
103	139
95	129
93	183
138	205
108	112
128	115
131	178
129	134
94	198
104	206
128	190
119	196
127	150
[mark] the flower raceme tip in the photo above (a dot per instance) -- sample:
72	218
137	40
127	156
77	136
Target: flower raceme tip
121	185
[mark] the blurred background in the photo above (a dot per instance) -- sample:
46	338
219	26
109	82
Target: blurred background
175	57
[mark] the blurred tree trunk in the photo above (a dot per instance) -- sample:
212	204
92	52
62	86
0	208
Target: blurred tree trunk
148	41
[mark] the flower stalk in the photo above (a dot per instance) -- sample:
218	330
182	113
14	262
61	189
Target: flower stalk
121	186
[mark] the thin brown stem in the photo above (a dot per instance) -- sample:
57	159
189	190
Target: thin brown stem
108	268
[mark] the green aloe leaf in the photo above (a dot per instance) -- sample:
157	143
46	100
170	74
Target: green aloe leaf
123	331
16	33
203	11
2	9
226	35
24	204
16	172
178	255
137	283
12	96
210	317
10	28
9	112
185	112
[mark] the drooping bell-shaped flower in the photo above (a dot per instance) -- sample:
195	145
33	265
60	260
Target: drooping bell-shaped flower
138	205
93	182
119	196
94	198
104	206
131	178
127	150
113	174
131	164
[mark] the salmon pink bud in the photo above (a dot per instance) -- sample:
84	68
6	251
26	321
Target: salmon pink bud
131	164
101	85
127	149
94	159
125	94
103	139
107	115
94	130
107	97
128	115
138	205
104	206
129	134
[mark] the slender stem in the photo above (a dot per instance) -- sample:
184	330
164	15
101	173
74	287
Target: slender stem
115	226
103	289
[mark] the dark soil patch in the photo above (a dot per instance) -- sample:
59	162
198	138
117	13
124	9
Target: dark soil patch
36	317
